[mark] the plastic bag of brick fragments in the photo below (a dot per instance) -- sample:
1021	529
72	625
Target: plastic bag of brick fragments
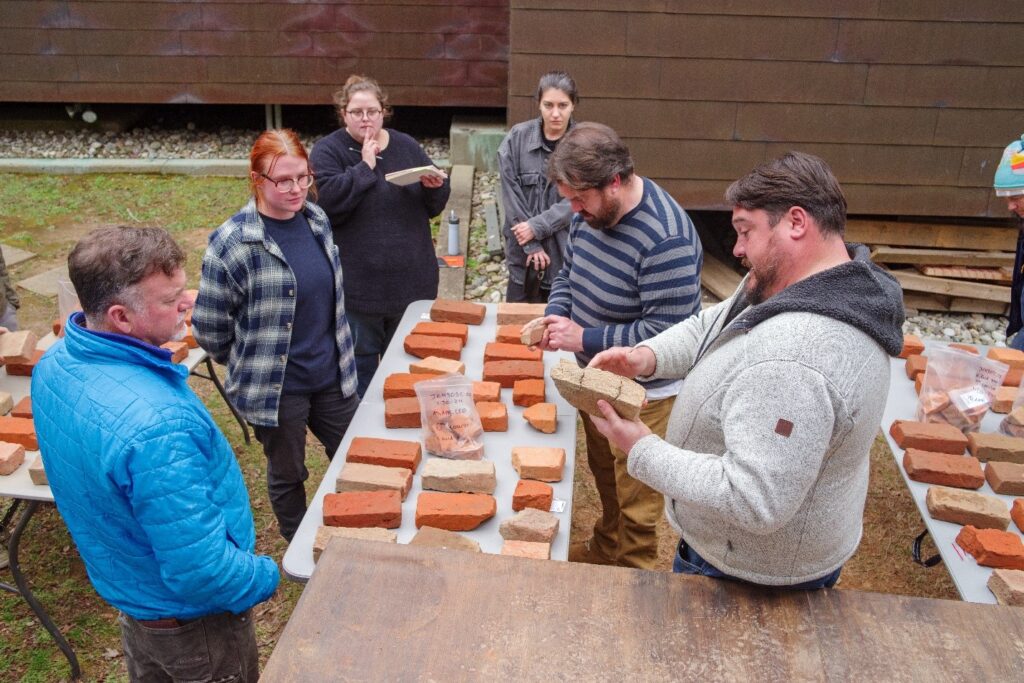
451	424
959	388
1013	423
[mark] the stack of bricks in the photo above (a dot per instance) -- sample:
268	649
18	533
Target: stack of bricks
23	369
912	345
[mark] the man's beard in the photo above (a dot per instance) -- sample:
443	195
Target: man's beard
181	331
763	278
607	217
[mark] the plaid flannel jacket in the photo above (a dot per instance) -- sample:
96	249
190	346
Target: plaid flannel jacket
246	308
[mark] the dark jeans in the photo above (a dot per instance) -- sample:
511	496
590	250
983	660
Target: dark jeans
516	293
219	647
327	414
688	561
371	335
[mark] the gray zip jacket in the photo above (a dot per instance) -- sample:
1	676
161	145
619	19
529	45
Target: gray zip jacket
764	465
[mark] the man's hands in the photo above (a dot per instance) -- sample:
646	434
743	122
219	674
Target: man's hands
561	334
538	259
628	361
522	232
623	434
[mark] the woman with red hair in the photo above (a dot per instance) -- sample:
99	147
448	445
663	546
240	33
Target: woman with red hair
271	308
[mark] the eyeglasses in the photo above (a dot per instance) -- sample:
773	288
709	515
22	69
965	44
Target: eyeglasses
364	113
288	184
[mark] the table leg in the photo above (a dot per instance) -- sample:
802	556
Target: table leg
220	388
22	588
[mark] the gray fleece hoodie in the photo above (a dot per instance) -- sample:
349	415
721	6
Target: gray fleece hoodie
764	466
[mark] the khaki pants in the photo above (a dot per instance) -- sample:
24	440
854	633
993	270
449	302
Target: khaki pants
626	532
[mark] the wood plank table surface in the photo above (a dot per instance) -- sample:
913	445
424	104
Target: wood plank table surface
376	611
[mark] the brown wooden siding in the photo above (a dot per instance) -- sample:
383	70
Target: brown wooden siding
910	101
425	52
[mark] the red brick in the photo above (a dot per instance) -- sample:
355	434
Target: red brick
918	381
402	412
11	457
915	365
401	384
422	346
500	351
1003	402
532	494
19	430
519	314
1012	357
543	417
385	452
992	547
363	509
1005	478
528	392
449	311
57	327
1017	514
25	369
178	349
23	408
509	334
544	464
966	348
190	338
457	330
912	345
454	511
493	416
486	392
506	372
437	366
1013	377
928	436
943	468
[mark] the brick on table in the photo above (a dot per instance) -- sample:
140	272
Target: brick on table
24	369
966	348
1017	513
506	372
451	311
519	314
324	534
532	494
501	351
402	384
528	392
1013	377
437	366
23	409
402	413
1012	357
583	387
1005	478
457	330
19	430
6	403
11	457
912	344
385	452
433	537
992	547
1008	586
530	524
190	338
915	365
178	349
944	469
454	511
357	476
967	507
928	436
493	416
532	333
37	472
542	464
423	346
18	347
486	392
364	509
529	549
987	446
543	417
458	476
1003	402
918	381
508	334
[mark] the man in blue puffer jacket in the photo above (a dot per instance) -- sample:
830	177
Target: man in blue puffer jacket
147	484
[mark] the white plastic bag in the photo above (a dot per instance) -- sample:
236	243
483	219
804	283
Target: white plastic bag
451	424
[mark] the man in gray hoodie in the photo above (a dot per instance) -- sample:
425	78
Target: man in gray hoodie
764	465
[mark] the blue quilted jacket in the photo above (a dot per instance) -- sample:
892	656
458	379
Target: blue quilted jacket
145	481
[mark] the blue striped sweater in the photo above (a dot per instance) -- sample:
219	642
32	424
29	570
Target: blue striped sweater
632	281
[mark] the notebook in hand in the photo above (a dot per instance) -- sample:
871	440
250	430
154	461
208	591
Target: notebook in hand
412	175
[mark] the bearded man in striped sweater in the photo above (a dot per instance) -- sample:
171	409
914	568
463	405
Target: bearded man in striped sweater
631	271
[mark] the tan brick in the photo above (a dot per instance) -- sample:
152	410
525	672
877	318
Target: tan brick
992	547
422	346
1012	357
1008	586
944	469
324	534
6	403
1004	399
519	314
583	387
928	436
11	457
506	372
543	464
458	476
36	471
178	349
363	509
385	452
528	549
454	511
437	366
449	311
967	507
912	345
402	384
19	430
500	351
356	476
493	416
532	494
533	332
24	369
457	330
509	334
432	537
528	392
486	392
1005	478
543	417
915	366
18	347
402	412
987	446
530	524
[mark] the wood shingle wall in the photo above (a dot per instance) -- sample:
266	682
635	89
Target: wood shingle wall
910	101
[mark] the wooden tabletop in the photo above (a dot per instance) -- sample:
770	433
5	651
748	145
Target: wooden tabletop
378	611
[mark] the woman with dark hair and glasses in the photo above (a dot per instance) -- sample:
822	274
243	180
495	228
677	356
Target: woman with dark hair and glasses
271	308
382	230
536	217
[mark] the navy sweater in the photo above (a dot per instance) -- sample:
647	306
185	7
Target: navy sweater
382	230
